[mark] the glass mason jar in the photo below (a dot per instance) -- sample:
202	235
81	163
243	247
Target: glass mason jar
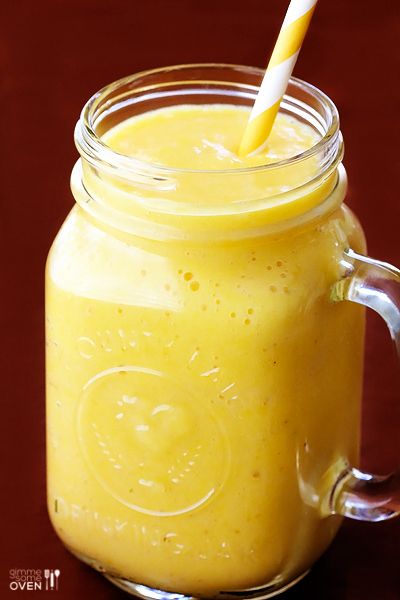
204	354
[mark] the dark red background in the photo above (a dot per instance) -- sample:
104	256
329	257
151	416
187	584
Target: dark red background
56	53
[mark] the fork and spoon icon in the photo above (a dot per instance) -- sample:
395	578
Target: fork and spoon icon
51	576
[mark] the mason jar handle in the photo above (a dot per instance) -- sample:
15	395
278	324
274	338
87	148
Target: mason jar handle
375	284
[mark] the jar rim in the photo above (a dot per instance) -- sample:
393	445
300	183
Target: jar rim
91	146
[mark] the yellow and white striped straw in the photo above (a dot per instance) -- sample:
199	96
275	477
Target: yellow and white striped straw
277	75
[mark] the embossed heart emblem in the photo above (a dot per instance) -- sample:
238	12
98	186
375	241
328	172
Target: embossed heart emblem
150	444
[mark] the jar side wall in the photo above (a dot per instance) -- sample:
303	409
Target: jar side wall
278	392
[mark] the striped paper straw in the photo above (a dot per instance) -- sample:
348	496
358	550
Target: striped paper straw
277	75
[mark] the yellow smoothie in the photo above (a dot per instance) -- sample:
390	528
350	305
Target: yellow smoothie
201	396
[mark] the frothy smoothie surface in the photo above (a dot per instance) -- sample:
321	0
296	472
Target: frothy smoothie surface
205	137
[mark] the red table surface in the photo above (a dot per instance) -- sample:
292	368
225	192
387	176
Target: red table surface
55	54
